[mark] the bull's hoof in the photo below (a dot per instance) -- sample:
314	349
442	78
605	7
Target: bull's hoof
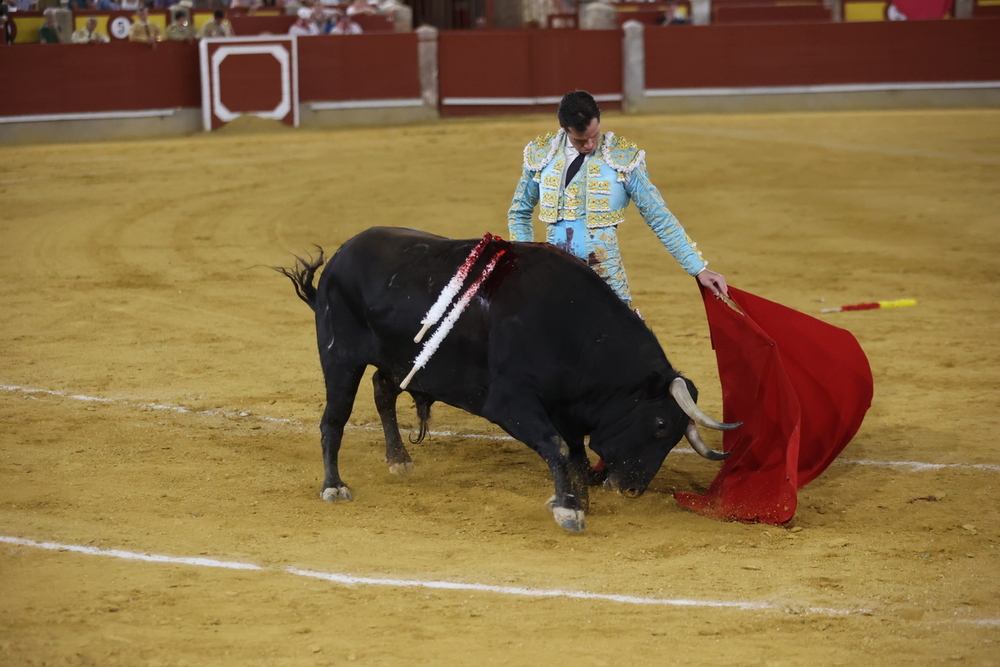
401	469
569	519
335	493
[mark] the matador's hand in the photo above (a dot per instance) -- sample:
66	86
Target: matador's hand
713	281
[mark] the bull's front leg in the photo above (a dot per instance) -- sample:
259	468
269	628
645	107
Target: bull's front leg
571	500
528	423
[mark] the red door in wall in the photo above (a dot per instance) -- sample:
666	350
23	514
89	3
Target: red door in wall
256	76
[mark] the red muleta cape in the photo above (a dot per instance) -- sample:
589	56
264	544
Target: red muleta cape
800	386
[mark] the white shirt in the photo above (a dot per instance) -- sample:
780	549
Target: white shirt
298	30
369	7
354	29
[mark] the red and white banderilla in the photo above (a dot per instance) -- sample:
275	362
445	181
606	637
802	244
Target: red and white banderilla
451	289
431	346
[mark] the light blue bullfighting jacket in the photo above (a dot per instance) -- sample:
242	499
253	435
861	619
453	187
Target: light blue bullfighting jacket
582	217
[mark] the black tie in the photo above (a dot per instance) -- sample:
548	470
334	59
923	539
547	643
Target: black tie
574	167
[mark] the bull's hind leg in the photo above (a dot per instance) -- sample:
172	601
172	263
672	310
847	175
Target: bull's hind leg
396	455
341	388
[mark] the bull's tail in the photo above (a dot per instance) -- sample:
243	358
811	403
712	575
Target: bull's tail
302	275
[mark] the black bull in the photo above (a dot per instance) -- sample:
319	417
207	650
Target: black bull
546	350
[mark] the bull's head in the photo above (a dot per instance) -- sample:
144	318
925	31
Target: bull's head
634	449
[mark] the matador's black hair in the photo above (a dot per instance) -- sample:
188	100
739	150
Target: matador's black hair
577	110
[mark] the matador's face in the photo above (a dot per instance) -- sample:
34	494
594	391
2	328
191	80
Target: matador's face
585	141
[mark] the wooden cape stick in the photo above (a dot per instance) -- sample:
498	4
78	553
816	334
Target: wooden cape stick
899	303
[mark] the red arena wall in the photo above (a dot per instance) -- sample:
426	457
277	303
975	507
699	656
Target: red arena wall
72	78
530	66
814	54
364	67
497	71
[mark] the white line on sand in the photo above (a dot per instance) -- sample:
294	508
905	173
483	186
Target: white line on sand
129	555
913	465
352	580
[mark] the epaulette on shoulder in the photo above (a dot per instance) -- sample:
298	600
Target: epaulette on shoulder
538	153
620	154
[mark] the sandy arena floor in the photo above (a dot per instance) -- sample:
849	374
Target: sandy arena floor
161	393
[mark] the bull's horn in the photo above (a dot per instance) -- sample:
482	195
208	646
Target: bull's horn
698	445
679	390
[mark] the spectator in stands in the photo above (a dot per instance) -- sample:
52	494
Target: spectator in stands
346	26
49	32
20	5
674	14
75	5
250	5
303	26
107	6
8	28
388	7
323	18
181	30
144	31
362	7
89	34
219	26
130	5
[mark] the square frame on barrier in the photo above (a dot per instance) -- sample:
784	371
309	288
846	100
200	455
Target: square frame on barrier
239	78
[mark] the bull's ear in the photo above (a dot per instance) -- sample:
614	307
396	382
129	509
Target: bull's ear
657	384
693	390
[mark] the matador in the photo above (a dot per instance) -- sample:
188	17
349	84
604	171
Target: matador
581	180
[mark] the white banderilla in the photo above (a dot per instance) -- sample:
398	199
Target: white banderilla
431	346
451	289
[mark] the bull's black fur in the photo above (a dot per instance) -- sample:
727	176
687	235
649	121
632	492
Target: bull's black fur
548	352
